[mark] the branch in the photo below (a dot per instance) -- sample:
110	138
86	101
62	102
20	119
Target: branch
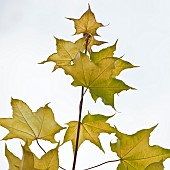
80	112
102	164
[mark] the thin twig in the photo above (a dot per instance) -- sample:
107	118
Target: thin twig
80	112
102	164
40	146
62	168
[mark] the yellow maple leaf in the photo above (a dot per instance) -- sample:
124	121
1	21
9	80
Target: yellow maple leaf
29	161
28	125
135	153
90	128
66	52
87	23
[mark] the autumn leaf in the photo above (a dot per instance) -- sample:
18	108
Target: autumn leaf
66	52
119	64
14	162
135	153
48	161
96	77
90	129
28	125
87	23
29	161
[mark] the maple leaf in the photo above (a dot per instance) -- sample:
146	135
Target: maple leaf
90	128
28	125
108	52
29	161
134	151
87	23
48	161
66	52
96	77
14	162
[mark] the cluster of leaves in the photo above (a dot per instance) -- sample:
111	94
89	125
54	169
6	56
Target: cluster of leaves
97	72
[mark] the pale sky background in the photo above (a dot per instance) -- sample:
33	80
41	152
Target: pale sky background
27	28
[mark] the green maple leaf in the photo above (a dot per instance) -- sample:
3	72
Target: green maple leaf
108	52
28	125
66	52
96	77
90	128
87	23
135	153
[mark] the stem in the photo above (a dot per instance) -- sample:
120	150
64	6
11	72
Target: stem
80	113
78	128
102	164
40	146
46	152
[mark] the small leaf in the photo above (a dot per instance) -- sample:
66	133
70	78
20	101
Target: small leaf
29	161
96	77
28	125
134	151
90	129
66	52
87	23
14	162
48	161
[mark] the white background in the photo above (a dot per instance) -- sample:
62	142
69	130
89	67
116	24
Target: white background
26	38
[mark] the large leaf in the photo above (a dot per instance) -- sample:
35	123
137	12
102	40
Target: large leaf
96	77
87	23
90	128
108	52
28	125
134	151
66	52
